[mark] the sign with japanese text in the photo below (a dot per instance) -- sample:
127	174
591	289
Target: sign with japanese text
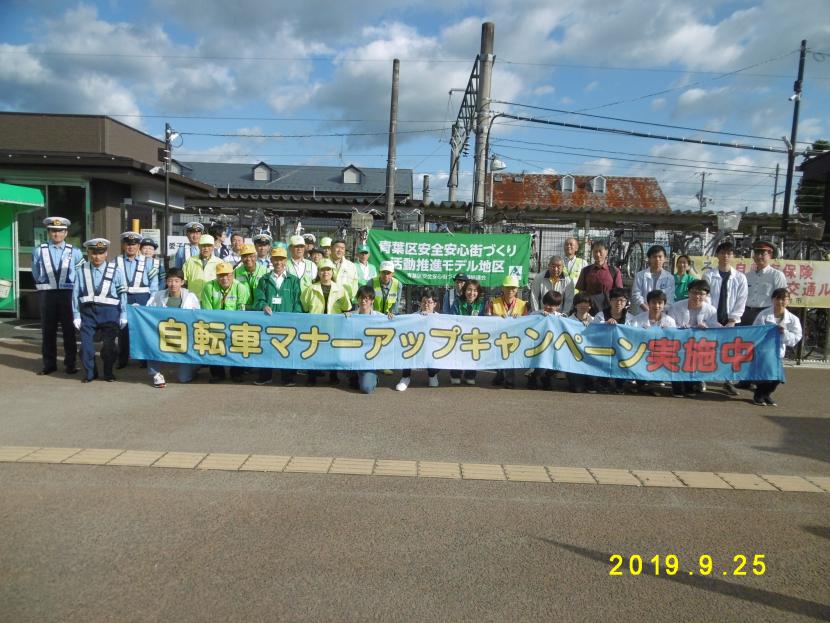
808	282
426	259
364	342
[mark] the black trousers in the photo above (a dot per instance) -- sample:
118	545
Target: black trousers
267	374
56	308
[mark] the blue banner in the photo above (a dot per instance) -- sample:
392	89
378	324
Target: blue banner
363	342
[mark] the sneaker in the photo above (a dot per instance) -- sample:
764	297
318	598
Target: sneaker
404	383
729	389
470	381
758	400
158	380
262	382
702	387
290	384
770	402
455	381
433	381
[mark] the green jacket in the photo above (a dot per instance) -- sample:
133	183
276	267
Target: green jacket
235	299
283	299
390	304
250	279
312	299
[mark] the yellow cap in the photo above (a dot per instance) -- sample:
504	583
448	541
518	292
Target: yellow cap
247	249
223	268
325	263
510	281
278	252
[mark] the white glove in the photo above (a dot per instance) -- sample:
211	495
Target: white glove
77	323
122	323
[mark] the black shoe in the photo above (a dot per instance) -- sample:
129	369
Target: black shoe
770	402
237	379
508	385
109	379
262	382
47	371
677	395
72	370
311	381
545	382
729	389
498	379
121	365
532	383
290	384
214	380
758	400
333	379
744	385
87	380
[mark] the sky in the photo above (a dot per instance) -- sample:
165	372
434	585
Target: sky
309	82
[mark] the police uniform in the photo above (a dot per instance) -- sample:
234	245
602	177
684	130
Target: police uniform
99	304
141	276
189	250
263	261
54	269
162	273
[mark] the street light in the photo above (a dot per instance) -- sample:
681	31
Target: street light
495	165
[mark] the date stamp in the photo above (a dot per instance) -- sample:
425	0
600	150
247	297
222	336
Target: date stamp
672	564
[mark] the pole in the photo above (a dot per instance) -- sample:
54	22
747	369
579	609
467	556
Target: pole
393	136
775	187
483	110
788	184
426	195
164	233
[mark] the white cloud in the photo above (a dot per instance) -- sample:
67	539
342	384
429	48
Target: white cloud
592	86
545	89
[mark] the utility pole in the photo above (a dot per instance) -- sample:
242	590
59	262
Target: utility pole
168	157
393	137
775	187
796	97
483	114
426	196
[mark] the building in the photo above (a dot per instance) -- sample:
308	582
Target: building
576	193
816	177
98	172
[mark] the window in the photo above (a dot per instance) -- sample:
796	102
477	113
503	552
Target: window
66	201
262	173
351	175
598	184
566	184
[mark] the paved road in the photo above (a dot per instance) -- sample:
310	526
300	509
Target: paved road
131	543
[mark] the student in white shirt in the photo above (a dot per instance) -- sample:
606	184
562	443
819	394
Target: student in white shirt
693	313
655	277
579	383
790	329
654	315
551	304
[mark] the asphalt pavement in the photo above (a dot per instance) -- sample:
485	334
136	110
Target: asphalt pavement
105	543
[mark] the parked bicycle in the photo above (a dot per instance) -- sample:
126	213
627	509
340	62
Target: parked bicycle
625	251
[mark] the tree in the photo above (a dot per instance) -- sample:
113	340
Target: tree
809	196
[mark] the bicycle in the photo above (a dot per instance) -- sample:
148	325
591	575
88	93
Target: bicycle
627	255
805	244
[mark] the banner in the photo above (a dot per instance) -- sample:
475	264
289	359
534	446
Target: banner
364	342
808	282
425	259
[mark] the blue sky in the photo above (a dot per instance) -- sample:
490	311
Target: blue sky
254	68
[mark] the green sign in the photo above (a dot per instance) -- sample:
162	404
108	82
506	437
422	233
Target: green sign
434	259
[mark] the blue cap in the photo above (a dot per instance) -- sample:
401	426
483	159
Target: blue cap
149	241
194	226
263	238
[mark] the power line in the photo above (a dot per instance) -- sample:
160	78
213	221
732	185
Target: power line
300	119
624	153
237	135
644	134
647	123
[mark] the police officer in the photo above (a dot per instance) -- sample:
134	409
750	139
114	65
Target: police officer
149	247
193	231
99	303
54	266
141	275
262	242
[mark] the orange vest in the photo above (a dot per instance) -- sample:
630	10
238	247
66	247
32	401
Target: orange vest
498	308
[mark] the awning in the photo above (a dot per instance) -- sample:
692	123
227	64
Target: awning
21	196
